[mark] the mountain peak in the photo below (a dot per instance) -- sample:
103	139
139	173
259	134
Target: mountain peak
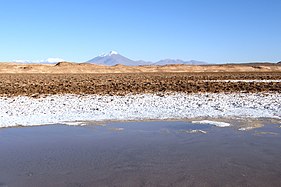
109	54
112	58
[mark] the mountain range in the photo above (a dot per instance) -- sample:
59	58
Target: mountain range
46	61
113	58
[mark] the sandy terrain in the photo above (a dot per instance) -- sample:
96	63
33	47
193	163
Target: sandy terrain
67	67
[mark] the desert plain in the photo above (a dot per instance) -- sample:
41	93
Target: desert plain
81	78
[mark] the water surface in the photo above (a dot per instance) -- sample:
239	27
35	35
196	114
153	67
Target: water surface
140	154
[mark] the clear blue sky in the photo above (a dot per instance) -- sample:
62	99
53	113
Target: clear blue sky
215	31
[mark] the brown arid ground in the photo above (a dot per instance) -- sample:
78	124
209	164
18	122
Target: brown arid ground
68	78
68	67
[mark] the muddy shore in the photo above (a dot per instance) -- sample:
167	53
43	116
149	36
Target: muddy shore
122	84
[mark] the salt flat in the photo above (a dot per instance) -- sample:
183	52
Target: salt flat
28	111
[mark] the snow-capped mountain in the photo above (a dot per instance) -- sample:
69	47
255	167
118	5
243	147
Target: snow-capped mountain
113	58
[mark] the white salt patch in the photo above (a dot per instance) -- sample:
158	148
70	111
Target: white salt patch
246	128
196	131
74	123
242	80
53	109
215	123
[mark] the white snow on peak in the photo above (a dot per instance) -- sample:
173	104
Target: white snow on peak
113	53
109	54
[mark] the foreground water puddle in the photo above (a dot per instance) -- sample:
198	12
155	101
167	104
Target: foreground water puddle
157	127
166	153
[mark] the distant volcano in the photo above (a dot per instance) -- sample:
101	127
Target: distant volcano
113	58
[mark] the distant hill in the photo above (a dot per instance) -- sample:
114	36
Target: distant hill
113	58
255	64
178	61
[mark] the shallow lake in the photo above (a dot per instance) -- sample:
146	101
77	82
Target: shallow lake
164	153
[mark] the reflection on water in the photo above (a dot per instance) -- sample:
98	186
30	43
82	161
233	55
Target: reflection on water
140	154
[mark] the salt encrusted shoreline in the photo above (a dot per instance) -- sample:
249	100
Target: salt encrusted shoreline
242	80
27	111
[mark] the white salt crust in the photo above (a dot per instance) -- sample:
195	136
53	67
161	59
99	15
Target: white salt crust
72	109
244	80
215	123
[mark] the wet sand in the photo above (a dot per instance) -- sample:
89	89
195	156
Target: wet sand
140	154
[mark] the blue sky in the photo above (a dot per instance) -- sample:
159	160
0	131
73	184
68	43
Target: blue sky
214	31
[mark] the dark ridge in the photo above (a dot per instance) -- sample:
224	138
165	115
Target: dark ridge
119	65
64	64
253	64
